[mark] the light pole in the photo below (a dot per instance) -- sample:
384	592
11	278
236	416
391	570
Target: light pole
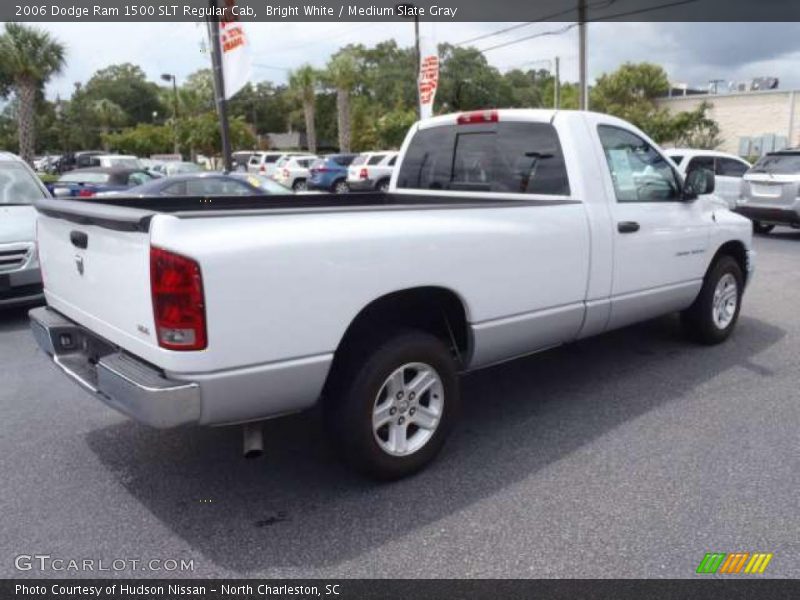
583	84
171	77
408	8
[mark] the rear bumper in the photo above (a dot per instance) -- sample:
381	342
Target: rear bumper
118	379
778	216
361	185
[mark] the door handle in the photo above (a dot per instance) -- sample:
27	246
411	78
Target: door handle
627	226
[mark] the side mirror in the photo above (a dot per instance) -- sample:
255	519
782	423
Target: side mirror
698	182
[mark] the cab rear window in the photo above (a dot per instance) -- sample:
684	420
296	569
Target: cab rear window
511	157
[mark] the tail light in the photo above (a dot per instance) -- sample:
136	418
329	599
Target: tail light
84	193
286	173
363	173
178	304
478	116
262	169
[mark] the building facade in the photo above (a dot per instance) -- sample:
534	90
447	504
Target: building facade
751	123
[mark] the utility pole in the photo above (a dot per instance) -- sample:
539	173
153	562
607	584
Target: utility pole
583	86
557	85
219	87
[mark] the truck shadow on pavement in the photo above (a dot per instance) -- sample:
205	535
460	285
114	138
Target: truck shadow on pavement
14	319
298	508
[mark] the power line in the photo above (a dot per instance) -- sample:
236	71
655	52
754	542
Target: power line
561	13
597	19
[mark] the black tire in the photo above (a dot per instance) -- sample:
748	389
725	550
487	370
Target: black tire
383	186
762	228
699	319
340	187
362	375
300	185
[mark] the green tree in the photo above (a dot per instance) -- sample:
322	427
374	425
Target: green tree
695	129
108	115
303	86
28	58
127	86
466	80
143	140
342	74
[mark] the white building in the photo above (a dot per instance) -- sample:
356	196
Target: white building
751	123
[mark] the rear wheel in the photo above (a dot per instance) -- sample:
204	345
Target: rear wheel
341	187
383	186
762	228
300	185
712	317
394	405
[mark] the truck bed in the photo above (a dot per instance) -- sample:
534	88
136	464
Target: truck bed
134	213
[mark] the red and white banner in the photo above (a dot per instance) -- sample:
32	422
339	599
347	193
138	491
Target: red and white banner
236	60
428	78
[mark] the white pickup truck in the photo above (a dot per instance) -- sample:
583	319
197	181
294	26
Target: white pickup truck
503	233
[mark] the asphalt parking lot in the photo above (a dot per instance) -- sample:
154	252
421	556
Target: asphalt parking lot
628	455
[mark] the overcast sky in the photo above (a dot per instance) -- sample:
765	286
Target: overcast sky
691	53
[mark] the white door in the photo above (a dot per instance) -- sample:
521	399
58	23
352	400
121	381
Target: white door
661	240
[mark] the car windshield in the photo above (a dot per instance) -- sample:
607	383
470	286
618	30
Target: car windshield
782	164
266	184
17	185
84	177
124	162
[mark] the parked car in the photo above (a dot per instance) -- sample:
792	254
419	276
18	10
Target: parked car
371	171
20	278
548	227
292	171
126	161
329	173
89	182
242	158
177	167
267	185
728	169
206	183
771	191
264	162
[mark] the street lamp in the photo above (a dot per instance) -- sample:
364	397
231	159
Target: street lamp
171	77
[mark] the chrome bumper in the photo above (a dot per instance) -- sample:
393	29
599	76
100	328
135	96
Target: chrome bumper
121	381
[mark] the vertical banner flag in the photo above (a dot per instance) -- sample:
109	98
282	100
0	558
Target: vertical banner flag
428	79
236	60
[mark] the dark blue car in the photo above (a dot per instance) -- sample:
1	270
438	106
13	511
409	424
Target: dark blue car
89	182
329	173
207	184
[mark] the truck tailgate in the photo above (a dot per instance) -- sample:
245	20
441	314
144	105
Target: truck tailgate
98	270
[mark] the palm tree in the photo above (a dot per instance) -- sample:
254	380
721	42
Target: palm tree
303	84
28	58
108	114
342	74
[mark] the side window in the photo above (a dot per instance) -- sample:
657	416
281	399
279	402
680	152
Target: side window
700	162
677	158
212	186
392	161
511	157
138	178
176	189
377	158
731	167
639	172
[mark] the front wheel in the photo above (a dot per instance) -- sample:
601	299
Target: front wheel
762	228
341	187
392	413
715	311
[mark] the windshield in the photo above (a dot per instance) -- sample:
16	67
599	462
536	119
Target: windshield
84	177
266	184
124	162
783	164
17	185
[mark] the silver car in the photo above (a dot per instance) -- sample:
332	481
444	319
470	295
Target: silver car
770	193
20	278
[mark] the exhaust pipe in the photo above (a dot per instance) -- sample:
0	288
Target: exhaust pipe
253	438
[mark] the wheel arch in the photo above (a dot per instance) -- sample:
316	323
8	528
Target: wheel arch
736	250
436	310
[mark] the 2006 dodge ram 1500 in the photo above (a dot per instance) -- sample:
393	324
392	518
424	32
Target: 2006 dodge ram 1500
503	233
